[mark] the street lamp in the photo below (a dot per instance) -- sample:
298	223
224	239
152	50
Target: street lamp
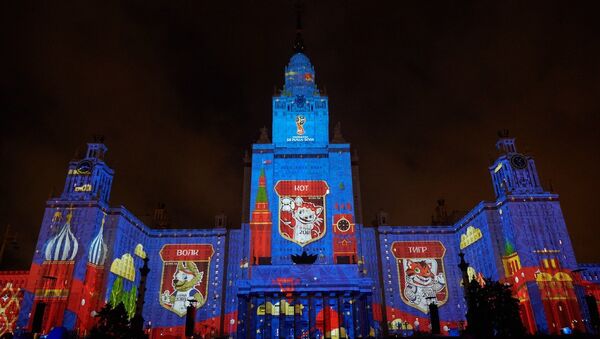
190	318
434	316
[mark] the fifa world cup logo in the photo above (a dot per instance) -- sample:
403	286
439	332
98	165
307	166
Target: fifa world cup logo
300	120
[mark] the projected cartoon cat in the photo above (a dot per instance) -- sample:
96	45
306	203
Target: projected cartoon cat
303	217
185	279
422	281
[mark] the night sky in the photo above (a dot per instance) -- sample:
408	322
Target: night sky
180	89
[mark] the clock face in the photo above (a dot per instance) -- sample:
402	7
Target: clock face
84	167
518	161
343	225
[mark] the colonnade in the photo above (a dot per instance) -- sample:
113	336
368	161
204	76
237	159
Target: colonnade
334	315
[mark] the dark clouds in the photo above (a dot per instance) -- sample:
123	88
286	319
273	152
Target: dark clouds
180	90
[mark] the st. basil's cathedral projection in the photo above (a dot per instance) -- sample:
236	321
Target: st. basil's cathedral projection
301	264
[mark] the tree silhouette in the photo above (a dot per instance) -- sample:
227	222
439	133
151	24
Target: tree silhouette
113	322
493	311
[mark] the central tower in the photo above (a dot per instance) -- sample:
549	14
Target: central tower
301	200
300	113
301	179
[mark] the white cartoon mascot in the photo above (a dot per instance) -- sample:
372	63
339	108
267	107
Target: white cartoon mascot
303	217
422	281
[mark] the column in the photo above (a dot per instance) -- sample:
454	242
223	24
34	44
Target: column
275	314
260	309
267	329
369	314
289	316
242	318
537	305
348	315
302	327
326	317
282	307
252	318
585	312
356	315
311	315
319	330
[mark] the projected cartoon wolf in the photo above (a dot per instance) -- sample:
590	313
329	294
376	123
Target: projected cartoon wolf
305	218
185	280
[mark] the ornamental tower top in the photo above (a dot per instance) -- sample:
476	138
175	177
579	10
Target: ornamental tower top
513	172
300	113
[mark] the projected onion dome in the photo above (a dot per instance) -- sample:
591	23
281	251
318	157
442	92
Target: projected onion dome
98	248
64	245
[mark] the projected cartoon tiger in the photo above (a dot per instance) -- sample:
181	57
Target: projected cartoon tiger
305	218
422	281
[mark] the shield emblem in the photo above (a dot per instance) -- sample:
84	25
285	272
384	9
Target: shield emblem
185	276
302	210
421	273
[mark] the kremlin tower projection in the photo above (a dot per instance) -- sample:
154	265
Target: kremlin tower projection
300	264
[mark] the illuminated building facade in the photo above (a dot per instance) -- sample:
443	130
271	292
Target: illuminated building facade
302	264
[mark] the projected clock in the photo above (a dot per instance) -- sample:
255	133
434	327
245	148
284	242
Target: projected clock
343	225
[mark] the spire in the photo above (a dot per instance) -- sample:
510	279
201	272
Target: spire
505	143
299	42
260	225
338	138
299	73
509	248
96	149
261	194
161	216
264	136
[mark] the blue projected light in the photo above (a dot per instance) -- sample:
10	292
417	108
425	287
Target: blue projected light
300	113
301	202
